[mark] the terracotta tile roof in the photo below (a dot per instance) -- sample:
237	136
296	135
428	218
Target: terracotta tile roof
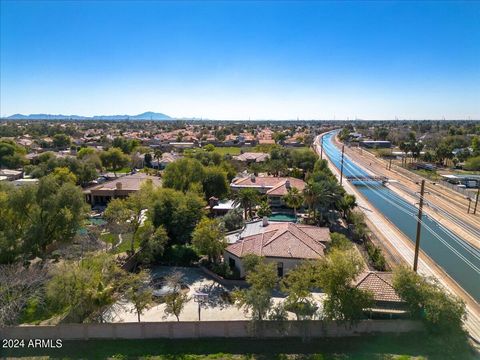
275	186
284	240
380	284
281	188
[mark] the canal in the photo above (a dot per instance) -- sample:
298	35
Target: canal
457	257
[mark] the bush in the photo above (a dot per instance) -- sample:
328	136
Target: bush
472	164
180	255
376	257
442	312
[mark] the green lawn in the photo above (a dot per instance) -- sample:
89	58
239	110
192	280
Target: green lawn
408	346
232	150
124	246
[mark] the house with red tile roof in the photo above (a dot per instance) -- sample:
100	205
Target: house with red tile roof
274	187
284	243
386	300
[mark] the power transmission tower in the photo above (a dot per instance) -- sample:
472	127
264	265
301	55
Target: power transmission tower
419	226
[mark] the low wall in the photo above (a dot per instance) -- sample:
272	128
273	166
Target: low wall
221	280
207	329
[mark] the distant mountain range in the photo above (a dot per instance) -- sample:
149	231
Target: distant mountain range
149	115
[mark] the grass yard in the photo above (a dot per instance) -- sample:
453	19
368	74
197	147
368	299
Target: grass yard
231	150
124	246
404	347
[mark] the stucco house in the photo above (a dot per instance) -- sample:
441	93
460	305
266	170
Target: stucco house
118	188
284	243
274	187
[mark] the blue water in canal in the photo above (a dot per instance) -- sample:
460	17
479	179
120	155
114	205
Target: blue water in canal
457	257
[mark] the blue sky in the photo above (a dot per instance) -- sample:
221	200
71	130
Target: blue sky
235	60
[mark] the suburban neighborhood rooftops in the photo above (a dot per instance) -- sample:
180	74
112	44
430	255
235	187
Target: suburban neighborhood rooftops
283	240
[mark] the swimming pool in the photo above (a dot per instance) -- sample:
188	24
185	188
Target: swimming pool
282	217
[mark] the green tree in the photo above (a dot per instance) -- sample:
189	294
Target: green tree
340	241
358	226
346	204
175	300
61	141
63	175
11	155
335	275
208	239
442	311
85	289
86	152
294	199
179	213
298	285
114	159
303	159
257	298
247	198
47	213
215	182
181	174
233	219
154	242
138	292
472	164
264	209
209	147
129	214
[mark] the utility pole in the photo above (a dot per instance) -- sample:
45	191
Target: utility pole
476	200
419	226
390	165
341	168
321	149
469	203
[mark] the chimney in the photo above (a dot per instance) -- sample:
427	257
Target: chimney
265	221
252	177
287	184
118	185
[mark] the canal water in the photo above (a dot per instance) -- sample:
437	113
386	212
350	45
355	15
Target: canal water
457	257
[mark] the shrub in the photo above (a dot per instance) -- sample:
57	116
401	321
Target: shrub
180	255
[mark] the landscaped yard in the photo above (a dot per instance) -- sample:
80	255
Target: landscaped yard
408	346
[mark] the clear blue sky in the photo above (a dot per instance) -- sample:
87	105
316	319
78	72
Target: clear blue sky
235	60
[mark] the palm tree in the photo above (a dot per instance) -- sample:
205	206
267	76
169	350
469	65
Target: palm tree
323	196
264	209
294	199
157	155
346	204
247	198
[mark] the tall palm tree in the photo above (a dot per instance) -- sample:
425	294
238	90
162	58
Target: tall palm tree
322	196
294	199
247	198
346	204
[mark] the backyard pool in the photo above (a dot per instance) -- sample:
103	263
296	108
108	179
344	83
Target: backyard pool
282	217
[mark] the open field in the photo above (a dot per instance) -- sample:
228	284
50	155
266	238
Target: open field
366	347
